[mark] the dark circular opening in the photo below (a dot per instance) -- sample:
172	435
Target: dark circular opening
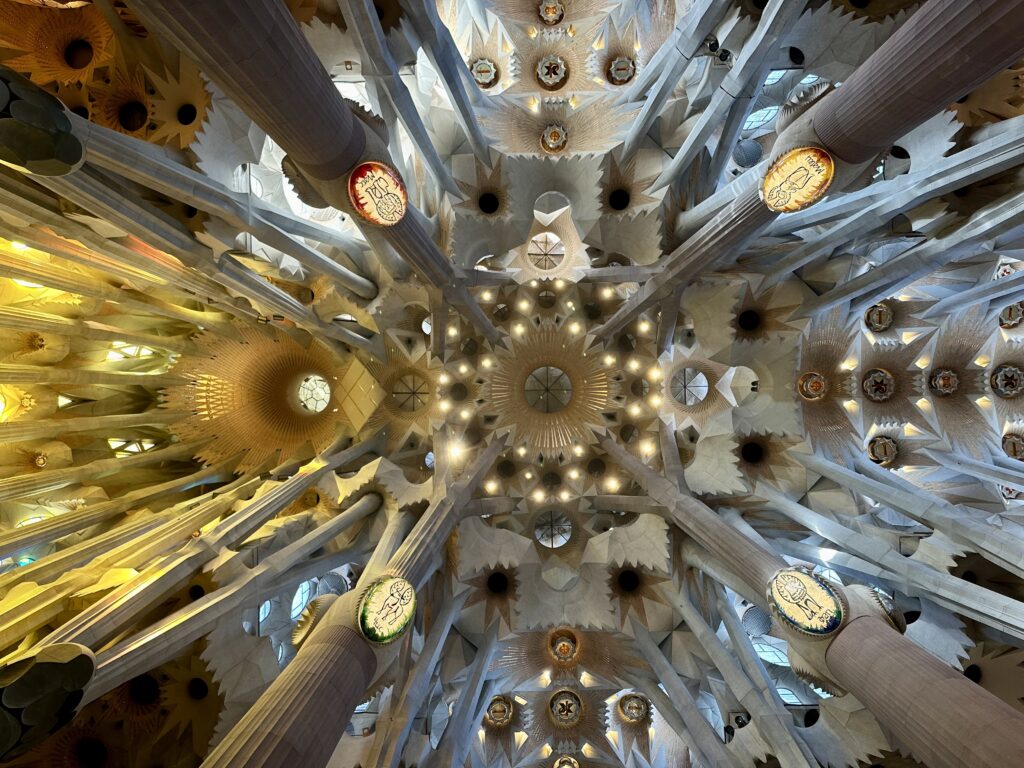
899	153
197	688
629	581
497	583
506	468
78	54
81	111
458	392
811	717
547	299
187	114
752	453
196	591
380	11
973	673
749	320
91	753
502	312
596	467
132	115
191	211
488	202
144	689
724	55
962	192
970	576
760	4
470	347
551	480
472	436
618	199
963	98
796	56
592	310
860	3
911	616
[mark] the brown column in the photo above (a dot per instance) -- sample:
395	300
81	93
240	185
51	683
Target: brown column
946	50
299	720
266	65
942	717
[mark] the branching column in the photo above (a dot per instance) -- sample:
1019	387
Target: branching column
854	661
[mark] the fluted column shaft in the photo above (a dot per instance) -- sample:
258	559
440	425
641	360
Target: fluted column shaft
298	721
946	50
755	565
946	720
256	52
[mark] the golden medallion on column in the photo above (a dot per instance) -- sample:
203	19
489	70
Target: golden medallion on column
805	602
386	609
798	179
377	193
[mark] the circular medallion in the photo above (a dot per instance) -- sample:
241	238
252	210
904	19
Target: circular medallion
883	450
805	602
878	385
634	708
879	318
1013	445
551	12
621	70
1007	381
554	138
552	72
548	389
499	712
314	393
377	194
565	761
485	72
798	179
1011	316
386	610
812	386
564	646
944	382
565	708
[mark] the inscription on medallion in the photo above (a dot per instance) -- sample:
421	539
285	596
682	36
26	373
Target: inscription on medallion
386	609
377	194
798	179
805	602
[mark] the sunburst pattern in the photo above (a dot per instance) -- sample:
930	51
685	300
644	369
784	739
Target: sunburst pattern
245	395
560	430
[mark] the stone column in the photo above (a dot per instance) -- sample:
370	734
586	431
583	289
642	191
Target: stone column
908	677
946	50
256	52
301	716
946	720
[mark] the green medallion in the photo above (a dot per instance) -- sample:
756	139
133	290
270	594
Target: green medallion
386	609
